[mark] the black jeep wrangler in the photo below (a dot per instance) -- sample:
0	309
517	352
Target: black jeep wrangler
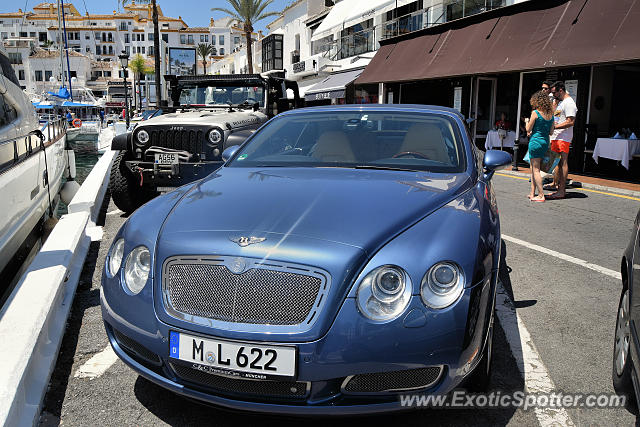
208	114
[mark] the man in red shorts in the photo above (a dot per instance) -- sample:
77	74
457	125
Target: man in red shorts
564	117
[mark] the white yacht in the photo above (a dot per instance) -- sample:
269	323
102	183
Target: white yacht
84	130
33	163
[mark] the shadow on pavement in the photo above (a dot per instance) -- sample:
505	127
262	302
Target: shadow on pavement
85	298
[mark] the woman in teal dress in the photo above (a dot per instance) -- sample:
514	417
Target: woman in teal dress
539	127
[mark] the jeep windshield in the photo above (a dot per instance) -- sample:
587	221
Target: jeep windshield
205	95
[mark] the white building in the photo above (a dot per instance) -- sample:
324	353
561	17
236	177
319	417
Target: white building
103	37
325	46
236	61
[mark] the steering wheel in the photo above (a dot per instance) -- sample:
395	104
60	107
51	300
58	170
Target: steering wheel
410	153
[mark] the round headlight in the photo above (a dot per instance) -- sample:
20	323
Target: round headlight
384	293
442	285
115	257
136	269
215	136
143	136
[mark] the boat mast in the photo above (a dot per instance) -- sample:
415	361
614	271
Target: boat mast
66	48
60	45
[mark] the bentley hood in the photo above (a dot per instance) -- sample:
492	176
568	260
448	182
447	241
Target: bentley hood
325	219
359	208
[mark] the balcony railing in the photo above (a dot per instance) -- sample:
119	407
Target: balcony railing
368	40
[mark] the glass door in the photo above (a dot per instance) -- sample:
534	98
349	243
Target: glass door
484	106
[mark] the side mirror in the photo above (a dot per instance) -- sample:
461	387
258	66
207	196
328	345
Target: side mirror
229	152
495	160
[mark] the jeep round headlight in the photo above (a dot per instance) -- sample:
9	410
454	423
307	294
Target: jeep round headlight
136	269
442	285
215	136
384	293
143	136
114	260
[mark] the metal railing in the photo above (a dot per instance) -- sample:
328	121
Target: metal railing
54	126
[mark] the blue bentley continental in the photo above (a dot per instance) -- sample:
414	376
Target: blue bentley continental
341	256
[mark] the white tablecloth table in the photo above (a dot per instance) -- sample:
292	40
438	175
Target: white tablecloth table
493	140
616	149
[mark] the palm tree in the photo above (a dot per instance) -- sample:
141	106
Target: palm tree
204	50
156	45
248	12
138	66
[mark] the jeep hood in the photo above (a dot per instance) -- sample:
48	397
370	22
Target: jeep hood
215	116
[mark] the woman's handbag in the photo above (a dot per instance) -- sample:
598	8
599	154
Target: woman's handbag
548	162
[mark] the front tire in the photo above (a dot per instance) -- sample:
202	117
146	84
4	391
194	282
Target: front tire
125	189
622	363
478	381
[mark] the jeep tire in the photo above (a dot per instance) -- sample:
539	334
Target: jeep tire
125	189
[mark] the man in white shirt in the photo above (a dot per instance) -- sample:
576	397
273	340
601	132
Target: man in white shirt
564	117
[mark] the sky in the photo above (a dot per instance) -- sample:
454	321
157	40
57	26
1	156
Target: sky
195	13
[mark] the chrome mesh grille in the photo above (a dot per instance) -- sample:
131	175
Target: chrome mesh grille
410	379
259	295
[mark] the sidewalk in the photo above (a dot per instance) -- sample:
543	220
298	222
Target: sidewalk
600	184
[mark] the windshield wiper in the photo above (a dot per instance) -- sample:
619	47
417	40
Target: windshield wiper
390	168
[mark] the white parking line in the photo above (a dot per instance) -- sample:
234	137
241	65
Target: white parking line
97	365
564	257
536	377
115	212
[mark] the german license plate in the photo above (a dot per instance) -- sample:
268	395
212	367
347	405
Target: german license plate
167	158
246	360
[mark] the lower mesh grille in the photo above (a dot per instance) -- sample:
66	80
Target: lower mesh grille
255	388
130	346
411	379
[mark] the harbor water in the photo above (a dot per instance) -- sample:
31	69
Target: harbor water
85	160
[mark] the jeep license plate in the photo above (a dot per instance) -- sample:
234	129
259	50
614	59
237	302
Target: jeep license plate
167	158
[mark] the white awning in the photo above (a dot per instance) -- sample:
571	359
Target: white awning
350	12
333	86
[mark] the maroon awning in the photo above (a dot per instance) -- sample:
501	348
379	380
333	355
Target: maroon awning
527	36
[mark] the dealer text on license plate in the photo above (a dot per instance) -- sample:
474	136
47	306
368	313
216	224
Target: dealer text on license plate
166	158
247	360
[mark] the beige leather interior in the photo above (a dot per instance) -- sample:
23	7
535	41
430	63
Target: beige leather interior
426	139
333	146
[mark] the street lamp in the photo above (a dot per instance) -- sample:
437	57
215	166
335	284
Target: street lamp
124	61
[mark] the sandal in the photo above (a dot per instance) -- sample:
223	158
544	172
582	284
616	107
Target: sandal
538	200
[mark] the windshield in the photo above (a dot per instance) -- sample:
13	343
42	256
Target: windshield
205	95
377	140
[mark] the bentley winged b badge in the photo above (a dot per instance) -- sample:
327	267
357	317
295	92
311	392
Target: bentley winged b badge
246	241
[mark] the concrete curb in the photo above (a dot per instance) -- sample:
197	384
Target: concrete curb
90	196
615	190
33	320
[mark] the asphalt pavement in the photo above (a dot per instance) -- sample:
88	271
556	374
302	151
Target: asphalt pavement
561	339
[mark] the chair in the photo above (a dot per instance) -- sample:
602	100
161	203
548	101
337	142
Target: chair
333	146
591	136
425	138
